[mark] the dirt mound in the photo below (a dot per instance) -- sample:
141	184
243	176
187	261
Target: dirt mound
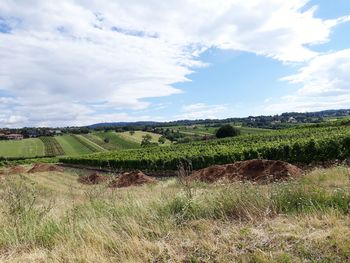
132	178
94	178
16	169
44	167
252	170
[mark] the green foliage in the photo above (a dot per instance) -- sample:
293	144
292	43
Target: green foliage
227	131
146	140
162	140
292	145
52	147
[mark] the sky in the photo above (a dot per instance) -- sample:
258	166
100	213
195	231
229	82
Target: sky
79	62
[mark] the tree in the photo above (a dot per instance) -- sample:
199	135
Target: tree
162	139
106	140
227	131
146	140
132	132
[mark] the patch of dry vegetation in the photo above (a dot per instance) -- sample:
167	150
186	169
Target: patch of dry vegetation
51	217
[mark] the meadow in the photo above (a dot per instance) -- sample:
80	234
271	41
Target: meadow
23	148
50	217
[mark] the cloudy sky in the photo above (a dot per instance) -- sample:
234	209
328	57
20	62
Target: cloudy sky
77	62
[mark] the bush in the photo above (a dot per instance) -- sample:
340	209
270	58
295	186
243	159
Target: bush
227	131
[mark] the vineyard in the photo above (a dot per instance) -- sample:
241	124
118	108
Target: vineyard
52	147
298	145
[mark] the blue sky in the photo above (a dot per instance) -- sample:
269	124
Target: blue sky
81	62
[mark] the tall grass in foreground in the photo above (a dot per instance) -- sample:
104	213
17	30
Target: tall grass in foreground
163	223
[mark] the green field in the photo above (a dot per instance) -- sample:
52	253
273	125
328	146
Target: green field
22	148
71	146
202	130
113	141
137	136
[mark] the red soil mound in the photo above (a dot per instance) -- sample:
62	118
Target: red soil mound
132	178
94	178
44	167
253	170
16	169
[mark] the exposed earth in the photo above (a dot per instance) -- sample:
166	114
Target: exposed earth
253	170
132	178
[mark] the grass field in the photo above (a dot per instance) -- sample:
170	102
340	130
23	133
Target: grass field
72	146
114	140
137	136
201	130
22	148
50	217
91	144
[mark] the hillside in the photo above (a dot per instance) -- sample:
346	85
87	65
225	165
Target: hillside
69	144
54	218
298	145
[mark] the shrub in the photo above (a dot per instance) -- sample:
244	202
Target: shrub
227	131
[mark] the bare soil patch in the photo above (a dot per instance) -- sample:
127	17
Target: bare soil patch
132	178
16	169
252	170
44	167
94	178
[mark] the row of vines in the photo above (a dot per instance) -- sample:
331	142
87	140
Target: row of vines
292	145
52	147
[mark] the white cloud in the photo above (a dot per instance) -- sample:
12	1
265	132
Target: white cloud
325	84
75	58
202	111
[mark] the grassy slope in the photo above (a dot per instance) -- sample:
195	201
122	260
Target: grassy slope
116	141
93	145
201	130
71	146
137	136
22	148
304	220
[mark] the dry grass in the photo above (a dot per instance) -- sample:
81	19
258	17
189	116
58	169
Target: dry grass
50	217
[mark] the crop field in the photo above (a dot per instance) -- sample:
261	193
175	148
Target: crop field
50	217
299	145
22	148
94	147
52	147
137	136
202	130
115	141
72	146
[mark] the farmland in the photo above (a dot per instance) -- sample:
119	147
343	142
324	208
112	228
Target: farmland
69	144
50	217
113	140
298	145
24	148
138	135
202	130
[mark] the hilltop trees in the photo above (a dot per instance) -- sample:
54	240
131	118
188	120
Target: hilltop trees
227	131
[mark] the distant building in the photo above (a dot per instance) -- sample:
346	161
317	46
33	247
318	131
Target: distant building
58	132
14	136
32	134
292	120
